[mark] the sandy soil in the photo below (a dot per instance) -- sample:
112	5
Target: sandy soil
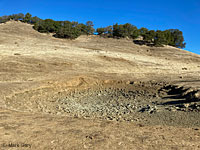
95	93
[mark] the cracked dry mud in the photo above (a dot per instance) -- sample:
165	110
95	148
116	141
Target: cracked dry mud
95	93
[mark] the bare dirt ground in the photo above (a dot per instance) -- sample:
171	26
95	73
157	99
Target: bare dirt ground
95	93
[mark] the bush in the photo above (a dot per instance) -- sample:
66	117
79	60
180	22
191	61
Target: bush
106	32
126	30
68	31
101	31
48	26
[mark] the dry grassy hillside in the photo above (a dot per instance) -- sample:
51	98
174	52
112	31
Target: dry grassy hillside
95	93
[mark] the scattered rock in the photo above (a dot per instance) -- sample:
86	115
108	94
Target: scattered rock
17	54
184	68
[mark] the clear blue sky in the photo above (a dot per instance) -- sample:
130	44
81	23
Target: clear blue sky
152	14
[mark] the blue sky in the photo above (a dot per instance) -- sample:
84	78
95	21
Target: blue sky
152	14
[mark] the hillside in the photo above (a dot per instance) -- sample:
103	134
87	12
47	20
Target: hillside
96	92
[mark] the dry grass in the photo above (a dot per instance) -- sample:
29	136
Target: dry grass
37	67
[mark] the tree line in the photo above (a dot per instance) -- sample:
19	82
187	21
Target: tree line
72	30
172	37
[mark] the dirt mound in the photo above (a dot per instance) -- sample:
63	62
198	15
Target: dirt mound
190	94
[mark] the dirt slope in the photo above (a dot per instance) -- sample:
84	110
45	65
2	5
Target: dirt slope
95	93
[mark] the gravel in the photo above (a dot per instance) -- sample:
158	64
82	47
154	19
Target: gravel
111	104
